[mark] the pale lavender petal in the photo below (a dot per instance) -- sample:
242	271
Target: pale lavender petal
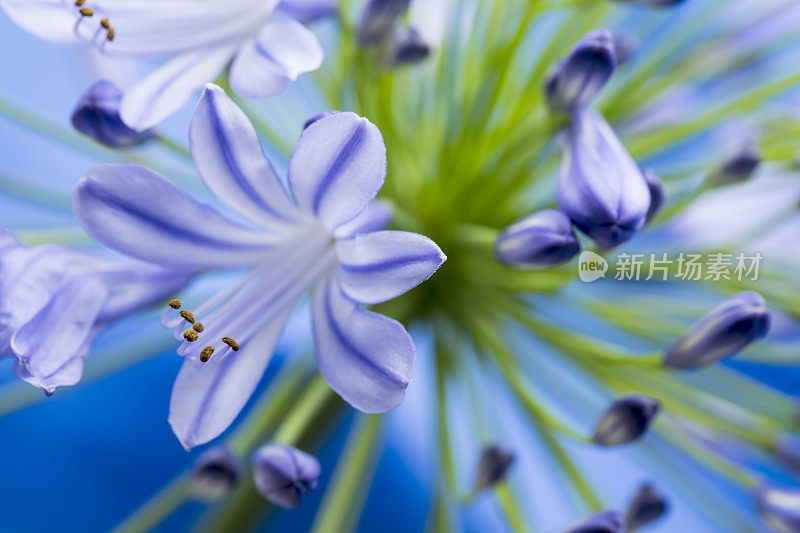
284	475
46	19
69	374
142	214
169	87
337	167
375	217
133	284
367	358
282	51
229	159
376	267
306	11
206	398
55	334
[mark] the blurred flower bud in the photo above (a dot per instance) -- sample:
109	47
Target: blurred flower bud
540	240
779	507
647	506
626	420
727	329
97	116
656	188
318	116
600	186
284	475
738	167
215	474
492	467
379	19
788	448
575	82
605	522
624	47
408	47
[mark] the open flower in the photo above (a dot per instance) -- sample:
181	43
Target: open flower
55	300
268	47
314	238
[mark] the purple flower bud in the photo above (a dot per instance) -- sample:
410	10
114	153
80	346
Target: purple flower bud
540	240
600	187
493	466
215	474
647	506
739	167
727	329
318	116
656	188
626	420
284	475
97	116
605	522
575	82
379	19
779	507
788	449
408	47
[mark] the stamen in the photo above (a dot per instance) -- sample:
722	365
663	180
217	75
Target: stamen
110	34
206	354
232	343
198	327
105	23
175	304
86	11
190	335
187	316
79	3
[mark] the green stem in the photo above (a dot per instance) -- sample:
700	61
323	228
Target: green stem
163	504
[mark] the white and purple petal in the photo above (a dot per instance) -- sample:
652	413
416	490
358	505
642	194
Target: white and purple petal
307	11
142	214
337	167
375	217
379	266
367	358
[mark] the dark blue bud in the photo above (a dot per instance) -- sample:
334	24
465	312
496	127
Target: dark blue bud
318	116
600	187
540	240
739	167
408	47
97	116
605	522
379	19
788	449
215	474
779	507
723	332
626	420
656	188
647	506
575	82
493	466
284	475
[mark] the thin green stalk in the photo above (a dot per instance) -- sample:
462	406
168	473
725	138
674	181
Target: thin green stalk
163	504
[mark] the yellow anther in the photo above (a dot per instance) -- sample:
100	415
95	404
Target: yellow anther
198	327
206	353
79	3
105	23
187	316
190	335
110	34
86	11
232	343
175	304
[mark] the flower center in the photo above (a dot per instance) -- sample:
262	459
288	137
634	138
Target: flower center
86	12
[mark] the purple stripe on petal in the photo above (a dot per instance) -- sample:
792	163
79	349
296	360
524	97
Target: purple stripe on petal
379	266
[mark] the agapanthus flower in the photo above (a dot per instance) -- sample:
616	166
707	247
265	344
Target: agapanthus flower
97	117
540	240
493	466
285	475
739	166
264	45
215	474
600	186
656	188
723	332
780	507
55	300
605	522
648	505
378	20
626	420
312	240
